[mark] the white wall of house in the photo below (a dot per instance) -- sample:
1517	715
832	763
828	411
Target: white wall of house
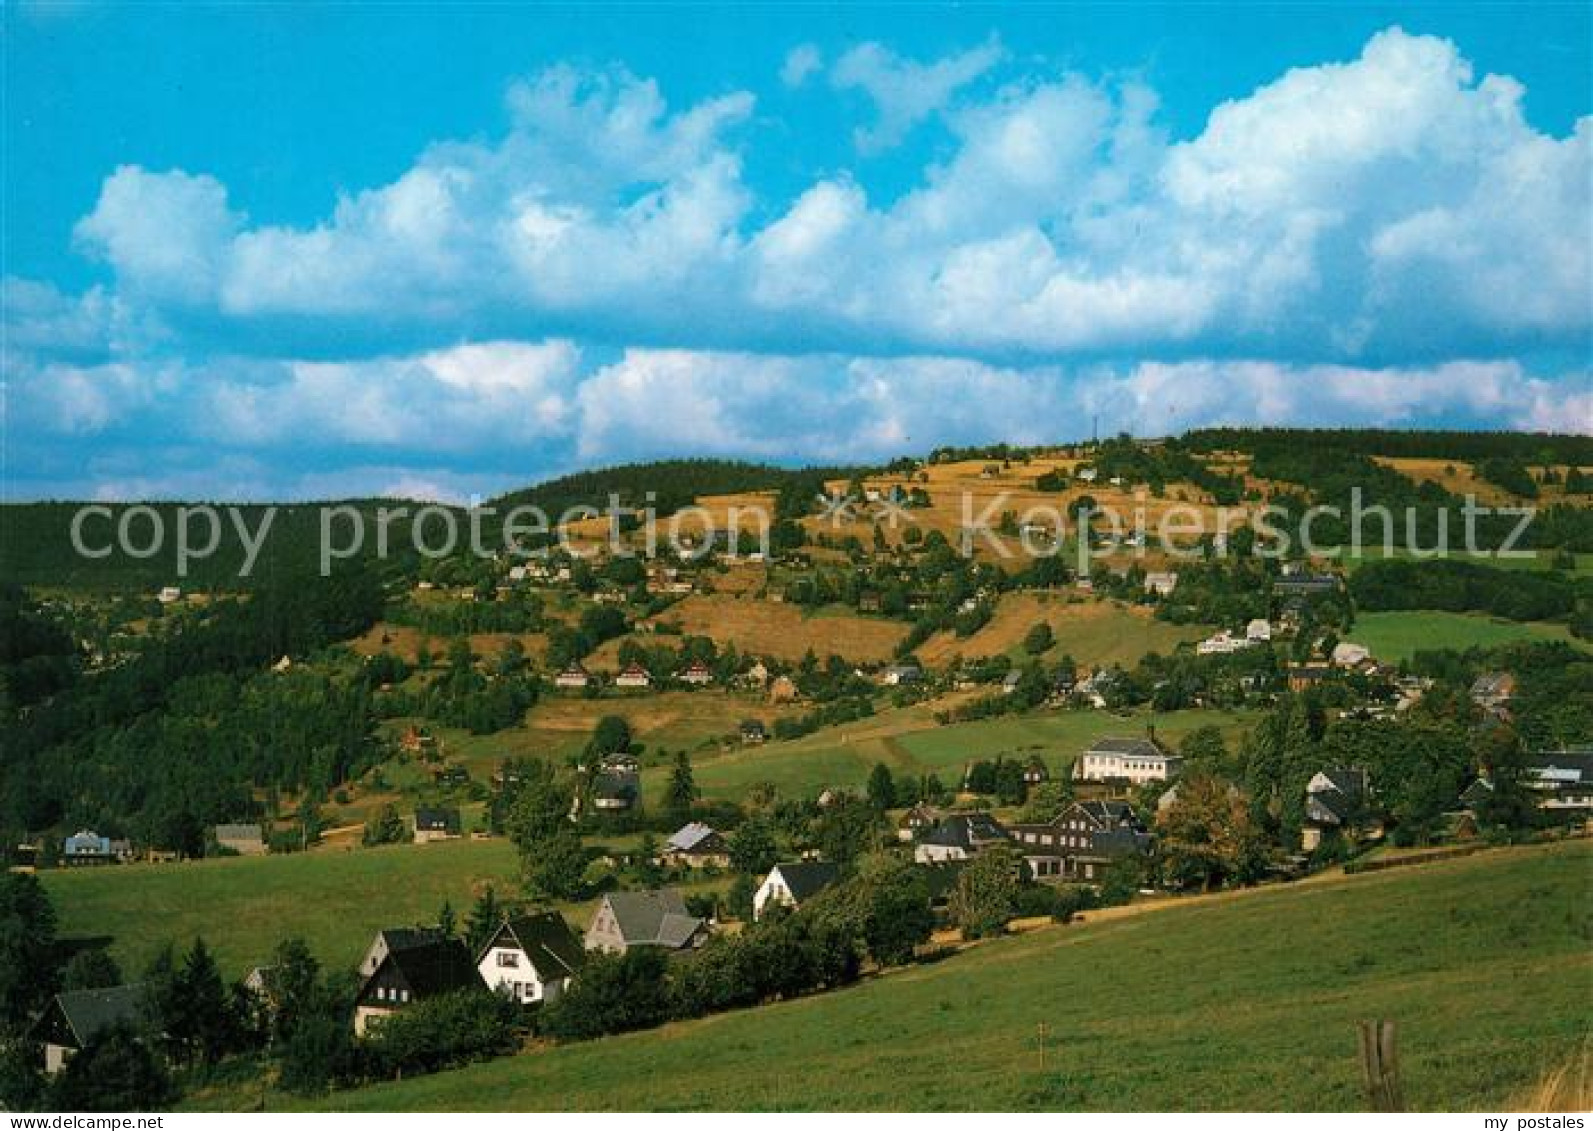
509	969
773	889
1133	767
938	853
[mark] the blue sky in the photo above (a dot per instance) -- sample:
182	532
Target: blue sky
300	250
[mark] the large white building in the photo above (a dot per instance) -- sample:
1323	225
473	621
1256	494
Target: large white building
1136	760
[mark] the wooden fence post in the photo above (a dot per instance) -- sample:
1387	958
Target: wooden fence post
1380	1066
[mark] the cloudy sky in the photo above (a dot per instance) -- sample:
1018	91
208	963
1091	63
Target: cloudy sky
299	252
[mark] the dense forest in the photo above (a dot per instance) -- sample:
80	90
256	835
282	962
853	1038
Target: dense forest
179	734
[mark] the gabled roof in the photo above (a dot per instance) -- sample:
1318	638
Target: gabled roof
805	878
547	941
437	817
965	830
1347	780
688	837
1131	747
432	968
656	918
1105	814
90	1012
403	938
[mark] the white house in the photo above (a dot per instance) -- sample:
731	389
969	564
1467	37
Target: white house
531	958
1161	582
1136	760
1348	655
635	676
572	678
1223	643
1259	630
790	884
959	836
169	594
697	674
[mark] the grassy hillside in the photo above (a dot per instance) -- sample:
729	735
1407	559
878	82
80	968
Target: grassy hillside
1239	1002
335	900
911	743
1396	636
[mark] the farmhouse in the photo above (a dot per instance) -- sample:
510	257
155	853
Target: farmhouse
1335	802
753	732
1083	840
644	918
245	840
86	847
697	675
435	822
1561	780
960	836
572	678
531	958
76	1017
697	846
1135	760
414	974
634	677
788	885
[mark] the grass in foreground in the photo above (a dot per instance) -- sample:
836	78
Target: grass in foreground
1243	1002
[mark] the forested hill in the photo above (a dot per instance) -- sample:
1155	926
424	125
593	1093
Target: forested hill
36	544
673	484
1529	447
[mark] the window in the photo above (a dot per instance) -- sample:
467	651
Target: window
508	958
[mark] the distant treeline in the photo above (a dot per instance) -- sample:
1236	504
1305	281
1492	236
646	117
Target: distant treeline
1464	587
673	484
36	544
1531	447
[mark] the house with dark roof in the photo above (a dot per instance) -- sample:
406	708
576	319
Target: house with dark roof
416	973
959	836
436	822
531	958
753	732
790	885
644	918
915	821
696	845
1082	841
1036	772
391	939
76	1017
615	791
1133	760
1335	803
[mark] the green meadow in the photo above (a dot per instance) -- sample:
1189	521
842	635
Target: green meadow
1397	636
243	906
1236	1002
